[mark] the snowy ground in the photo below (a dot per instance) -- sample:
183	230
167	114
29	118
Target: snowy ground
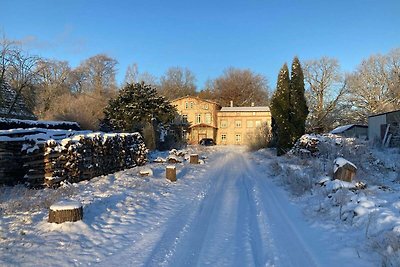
236	209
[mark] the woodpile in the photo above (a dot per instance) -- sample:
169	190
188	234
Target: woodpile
65	211
82	157
306	145
11	162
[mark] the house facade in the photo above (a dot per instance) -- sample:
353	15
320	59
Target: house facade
225	125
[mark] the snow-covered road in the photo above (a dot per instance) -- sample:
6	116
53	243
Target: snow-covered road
238	218
227	212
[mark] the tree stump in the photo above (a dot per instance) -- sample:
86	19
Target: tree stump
65	211
194	159
170	173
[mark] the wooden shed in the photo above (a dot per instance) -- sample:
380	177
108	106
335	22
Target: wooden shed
385	128
352	130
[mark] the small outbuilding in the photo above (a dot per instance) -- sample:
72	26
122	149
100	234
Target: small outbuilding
352	130
385	128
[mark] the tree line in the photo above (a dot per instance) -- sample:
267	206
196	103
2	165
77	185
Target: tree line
54	90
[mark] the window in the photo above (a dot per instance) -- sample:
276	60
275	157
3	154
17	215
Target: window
186	105
258	124
223	137
198	118
250	124
208	118
238	138
224	124
191	104
184	117
205	106
238	124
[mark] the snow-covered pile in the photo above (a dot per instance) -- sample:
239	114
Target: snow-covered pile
366	209
7	123
82	157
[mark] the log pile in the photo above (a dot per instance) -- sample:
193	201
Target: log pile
82	157
11	162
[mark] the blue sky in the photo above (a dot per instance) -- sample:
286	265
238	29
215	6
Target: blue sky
205	36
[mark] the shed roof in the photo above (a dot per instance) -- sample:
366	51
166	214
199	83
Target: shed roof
19	111
343	128
384	113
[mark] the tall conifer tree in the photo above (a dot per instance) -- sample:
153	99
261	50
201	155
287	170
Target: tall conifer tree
280	111
298	103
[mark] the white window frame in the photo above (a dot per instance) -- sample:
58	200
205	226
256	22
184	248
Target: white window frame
238	138
238	124
223	137
198	118
224	124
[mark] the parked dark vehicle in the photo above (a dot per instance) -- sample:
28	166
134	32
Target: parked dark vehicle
207	142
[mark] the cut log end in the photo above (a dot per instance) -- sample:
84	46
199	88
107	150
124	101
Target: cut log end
194	159
65	211
171	173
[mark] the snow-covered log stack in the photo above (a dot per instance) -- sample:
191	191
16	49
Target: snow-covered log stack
11	161
306	145
82	157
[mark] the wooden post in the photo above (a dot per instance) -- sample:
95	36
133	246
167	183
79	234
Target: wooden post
171	173
194	159
65	211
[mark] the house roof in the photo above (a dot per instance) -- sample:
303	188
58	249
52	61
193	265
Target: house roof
384	113
343	128
197	98
19	111
244	109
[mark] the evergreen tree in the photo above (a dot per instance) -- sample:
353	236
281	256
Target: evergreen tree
281	110
298	103
136	106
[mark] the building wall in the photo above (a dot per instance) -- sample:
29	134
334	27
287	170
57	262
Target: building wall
192	107
239	128
198	111
374	126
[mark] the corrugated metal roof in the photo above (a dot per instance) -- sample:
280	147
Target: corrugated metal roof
244	109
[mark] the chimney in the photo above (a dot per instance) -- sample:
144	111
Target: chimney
231	103
252	104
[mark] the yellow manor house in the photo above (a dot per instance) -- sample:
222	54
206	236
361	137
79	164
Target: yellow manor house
225	125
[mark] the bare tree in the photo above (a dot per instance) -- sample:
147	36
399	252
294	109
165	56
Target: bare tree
132	73
177	82
375	86
96	74
19	69
325	89
243	87
148	78
54	82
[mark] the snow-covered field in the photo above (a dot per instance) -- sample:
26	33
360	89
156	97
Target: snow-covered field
236	209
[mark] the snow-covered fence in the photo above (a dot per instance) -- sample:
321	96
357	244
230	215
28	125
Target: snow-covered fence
78	157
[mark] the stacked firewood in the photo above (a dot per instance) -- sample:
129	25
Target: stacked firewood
83	157
10	163
306	145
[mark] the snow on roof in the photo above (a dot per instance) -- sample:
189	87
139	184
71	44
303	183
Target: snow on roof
244	109
340	162
341	129
344	128
19	109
